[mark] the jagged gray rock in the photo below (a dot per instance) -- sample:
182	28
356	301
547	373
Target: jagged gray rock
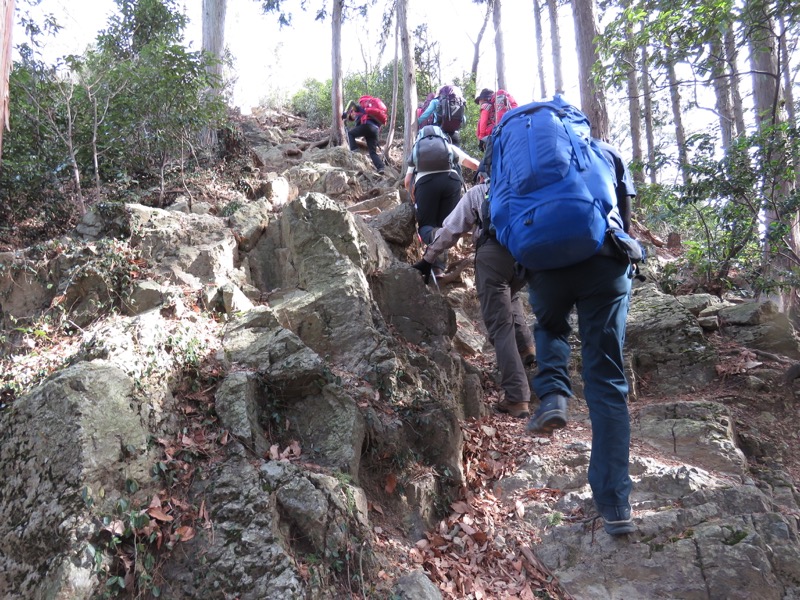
338	321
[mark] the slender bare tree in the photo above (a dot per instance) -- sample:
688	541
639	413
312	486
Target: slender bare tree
409	76
499	45
593	98
395	86
477	52
731	55
6	27
337	136
677	114
537	28
555	43
634	102
722	90
647	98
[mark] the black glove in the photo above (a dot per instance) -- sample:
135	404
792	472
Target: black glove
344	116
425	268
481	145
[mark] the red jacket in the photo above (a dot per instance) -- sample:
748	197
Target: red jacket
486	120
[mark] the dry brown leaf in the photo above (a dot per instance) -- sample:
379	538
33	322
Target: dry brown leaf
159	515
116	527
185	532
274	452
391	483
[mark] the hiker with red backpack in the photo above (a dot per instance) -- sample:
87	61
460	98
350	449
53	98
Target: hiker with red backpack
447	110
493	106
369	115
434	181
558	203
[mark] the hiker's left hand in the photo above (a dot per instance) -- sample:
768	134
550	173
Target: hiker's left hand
425	268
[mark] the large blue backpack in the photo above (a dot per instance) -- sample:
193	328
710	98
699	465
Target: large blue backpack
552	189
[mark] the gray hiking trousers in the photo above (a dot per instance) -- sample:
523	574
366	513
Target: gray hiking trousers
498	292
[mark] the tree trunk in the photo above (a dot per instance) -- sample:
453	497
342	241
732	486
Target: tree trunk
722	91
677	116
337	102
6	27
214	33
634	105
499	47
788	94
409	77
214	43
731	55
647	96
780	254
555	42
395	87
537	27
477	53
593	99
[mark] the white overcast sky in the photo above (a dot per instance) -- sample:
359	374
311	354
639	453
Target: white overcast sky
268	58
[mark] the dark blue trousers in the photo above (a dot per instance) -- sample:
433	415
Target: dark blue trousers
599	288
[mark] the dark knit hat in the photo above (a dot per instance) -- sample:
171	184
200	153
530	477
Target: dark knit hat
485	95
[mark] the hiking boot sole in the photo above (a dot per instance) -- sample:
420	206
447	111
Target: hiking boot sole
547	422
619	527
506	410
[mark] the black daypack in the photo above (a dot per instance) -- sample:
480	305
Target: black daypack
451	109
432	151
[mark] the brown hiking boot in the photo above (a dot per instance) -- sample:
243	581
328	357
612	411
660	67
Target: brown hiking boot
519	410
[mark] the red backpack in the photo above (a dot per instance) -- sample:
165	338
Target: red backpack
503	102
374	108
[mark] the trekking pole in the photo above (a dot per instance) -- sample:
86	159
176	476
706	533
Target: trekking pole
435	282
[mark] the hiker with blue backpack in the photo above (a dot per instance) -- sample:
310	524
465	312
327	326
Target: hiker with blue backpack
555	203
498	286
446	109
434	181
369	115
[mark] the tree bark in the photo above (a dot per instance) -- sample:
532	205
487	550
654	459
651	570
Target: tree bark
409	77
634	104
647	96
499	46
214	12
214	43
722	91
537	27
395	87
6	27
677	115
555	42
593	99
778	253
731	55
337	101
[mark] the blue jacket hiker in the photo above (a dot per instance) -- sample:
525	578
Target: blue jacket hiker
599	288
449	119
